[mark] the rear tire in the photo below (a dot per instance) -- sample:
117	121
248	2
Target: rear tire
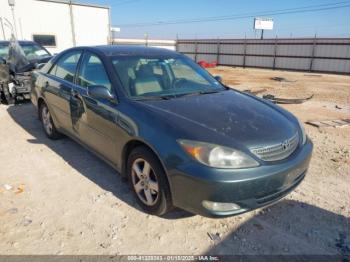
149	182
47	122
10	100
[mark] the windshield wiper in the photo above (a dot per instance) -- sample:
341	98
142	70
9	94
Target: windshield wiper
168	97
142	98
205	92
208	92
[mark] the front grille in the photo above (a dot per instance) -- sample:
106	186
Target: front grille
279	151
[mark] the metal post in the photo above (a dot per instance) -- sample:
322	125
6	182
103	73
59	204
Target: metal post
245	51
14	20
146	39
177	43
218	51
275	54
8	24
313	54
72	22
3	29
262	34
195	51
20	28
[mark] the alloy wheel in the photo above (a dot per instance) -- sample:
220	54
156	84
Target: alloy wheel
145	182
46	117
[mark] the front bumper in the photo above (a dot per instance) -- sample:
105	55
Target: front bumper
23	84
249	188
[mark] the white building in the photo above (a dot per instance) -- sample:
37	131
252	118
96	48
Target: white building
56	24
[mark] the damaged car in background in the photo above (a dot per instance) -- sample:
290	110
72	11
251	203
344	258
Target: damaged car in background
17	61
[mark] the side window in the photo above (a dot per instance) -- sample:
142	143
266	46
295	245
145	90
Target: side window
66	66
92	72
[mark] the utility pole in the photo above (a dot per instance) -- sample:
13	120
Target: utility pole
20	28
72	22
146	39
12	5
177	43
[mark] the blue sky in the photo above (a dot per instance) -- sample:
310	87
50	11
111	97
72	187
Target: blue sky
326	23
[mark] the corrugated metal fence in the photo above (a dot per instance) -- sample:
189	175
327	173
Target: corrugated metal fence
331	55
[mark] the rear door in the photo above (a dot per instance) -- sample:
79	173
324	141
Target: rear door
59	86
94	120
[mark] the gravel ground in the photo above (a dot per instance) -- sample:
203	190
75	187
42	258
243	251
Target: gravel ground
57	198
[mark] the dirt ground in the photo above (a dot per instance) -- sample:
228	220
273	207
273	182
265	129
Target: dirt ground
57	198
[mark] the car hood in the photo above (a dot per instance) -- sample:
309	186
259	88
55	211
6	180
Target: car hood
234	115
41	60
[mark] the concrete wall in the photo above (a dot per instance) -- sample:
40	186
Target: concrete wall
91	23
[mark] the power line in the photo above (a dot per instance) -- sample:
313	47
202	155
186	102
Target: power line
230	16
313	26
304	9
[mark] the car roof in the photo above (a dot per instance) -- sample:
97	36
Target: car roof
115	50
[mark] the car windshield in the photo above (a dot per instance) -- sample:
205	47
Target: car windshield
32	51
163	77
4	50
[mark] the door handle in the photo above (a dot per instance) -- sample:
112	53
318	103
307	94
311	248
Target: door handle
74	93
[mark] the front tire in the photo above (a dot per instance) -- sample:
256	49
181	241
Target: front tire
148	182
6	96
48	124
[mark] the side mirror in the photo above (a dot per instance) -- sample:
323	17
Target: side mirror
100	92
218	78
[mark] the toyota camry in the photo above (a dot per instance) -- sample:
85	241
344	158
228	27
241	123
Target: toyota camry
180	137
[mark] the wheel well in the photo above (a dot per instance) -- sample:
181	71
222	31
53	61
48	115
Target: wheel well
128	148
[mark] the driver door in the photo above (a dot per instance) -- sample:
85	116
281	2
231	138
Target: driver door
94	120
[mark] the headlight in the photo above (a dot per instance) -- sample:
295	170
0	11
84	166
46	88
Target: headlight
217	156
303	133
